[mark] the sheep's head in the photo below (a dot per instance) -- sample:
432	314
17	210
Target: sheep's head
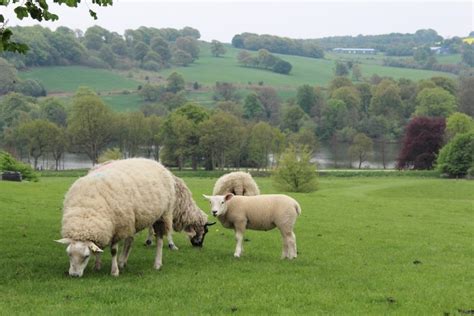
196	233
79	253
219	203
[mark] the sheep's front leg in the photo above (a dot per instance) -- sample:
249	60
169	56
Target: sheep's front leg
98	261
127	246
159	252
239	237
113	251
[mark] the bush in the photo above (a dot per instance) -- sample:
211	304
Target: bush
94	62
8	163
457	157
110	154
30	87
295	172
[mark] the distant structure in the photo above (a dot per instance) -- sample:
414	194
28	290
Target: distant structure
354	50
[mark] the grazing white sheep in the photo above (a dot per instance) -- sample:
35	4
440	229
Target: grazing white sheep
260	212
118	199
238	183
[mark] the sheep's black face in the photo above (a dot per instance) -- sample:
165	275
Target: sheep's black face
200	233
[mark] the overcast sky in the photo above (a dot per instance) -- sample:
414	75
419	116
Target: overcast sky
296	19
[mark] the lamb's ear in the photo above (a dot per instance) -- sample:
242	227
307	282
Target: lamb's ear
228	196
94	247
206	197
64	241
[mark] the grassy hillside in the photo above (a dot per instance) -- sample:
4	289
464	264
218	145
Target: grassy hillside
208	69
367	246
68	79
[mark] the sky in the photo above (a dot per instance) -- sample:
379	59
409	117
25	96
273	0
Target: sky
222	19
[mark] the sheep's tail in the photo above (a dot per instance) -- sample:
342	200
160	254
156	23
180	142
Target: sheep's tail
297	208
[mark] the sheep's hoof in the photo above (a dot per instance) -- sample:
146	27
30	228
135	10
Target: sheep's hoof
148	242
173	247
157	266
236	255
122	264
115	273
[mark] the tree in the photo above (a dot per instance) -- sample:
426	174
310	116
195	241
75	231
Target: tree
341	69
421	143
30	87
140	50
457	156
53	110
422	54
386	100
361	148
339	82
293	119
175	83
161	47
217	48
295	172
181	58
219	136
89	124
253	109
58	144
435	102
225	91
304	138
264	140
458	123
151	93
107	55
282	67
8	76
136	132
356	72
38	11
36	135
270	102
468	54
466	95
306	98
189	45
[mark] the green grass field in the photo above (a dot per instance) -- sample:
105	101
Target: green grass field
367	246
207	70
69	79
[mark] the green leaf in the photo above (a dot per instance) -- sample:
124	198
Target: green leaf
2	19
21	12
93	14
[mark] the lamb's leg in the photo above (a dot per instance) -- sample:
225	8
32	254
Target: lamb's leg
149	238
98	261
239	237
113	251
127	245
293	252
171	244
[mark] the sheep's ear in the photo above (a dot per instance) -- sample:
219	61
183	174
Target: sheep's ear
94	247
228	196
206	197
64	241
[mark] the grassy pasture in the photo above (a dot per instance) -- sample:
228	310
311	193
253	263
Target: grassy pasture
366	246
69	78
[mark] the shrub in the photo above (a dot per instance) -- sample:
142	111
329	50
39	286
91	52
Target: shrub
31	87
457	157
110	154
295	172
8	163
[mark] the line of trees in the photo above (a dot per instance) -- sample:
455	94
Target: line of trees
264	60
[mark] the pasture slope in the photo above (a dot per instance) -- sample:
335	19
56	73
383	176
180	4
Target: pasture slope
367	246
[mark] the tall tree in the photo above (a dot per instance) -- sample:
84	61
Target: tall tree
90	123
253	109
435	102
466	95
175	82
37	135
306	98
217	48
361	148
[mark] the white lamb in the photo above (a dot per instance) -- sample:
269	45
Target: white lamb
260	212
238	183
118	200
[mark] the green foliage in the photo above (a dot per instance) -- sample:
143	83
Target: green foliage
175	83
293	119
181	58
435	102
458	123
8	77
189	45
217	48
253	109
386	100
361	148
457	156
110	154
306	98
282	67
295	172
8	163
468	54
341	69
30	87
264	60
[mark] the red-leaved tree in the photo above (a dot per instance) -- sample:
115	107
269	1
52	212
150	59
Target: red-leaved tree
422	141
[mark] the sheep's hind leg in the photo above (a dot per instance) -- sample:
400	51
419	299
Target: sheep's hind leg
149	238
171	244
284	241
162	228
113	251
292	246
127	246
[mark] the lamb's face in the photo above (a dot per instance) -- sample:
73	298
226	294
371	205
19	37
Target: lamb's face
79	253
219	203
